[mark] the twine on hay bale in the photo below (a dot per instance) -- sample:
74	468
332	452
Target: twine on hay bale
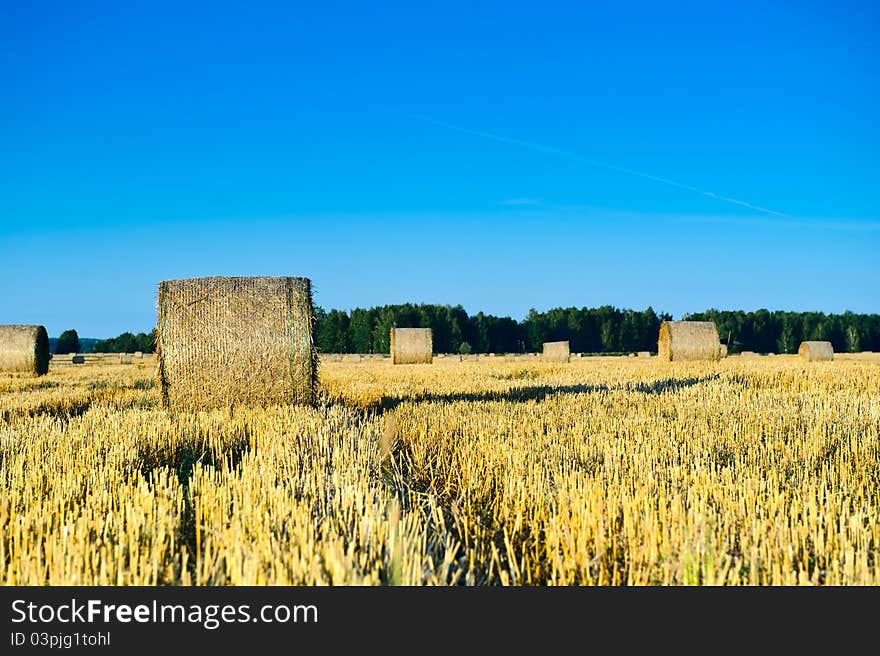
555	351
226	341
24	348
688	340
411	346
814	351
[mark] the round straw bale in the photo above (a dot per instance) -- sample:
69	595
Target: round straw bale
24	348
688	340
226	341
644	354
816	351
555	351
411	346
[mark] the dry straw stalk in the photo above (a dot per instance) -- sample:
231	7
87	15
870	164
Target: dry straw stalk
688	340
816	351
225	341
411	346
24	348
556	351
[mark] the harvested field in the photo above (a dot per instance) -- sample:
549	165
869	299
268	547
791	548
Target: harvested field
609	471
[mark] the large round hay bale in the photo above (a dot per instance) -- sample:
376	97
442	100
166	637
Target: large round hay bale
224	341
412	346
816	351
24	348
555	351
688	340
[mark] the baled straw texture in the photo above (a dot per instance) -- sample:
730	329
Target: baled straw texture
688	340
125	358
412	346
225	341
816	351
555	351
24	348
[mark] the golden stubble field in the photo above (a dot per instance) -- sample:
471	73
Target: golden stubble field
609	471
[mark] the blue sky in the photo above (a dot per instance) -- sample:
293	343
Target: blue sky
503	156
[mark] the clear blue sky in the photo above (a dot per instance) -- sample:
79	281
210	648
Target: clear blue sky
504	157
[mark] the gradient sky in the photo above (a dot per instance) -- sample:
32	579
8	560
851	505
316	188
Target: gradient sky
503	156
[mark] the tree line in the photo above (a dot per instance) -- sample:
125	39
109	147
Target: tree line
604	329
127	343
764	331
589	330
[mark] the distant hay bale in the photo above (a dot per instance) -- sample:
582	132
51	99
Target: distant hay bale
125	358
24	348
644	354
816	351
722	350
555	351
139	355
411	346
78	359
688	340
224	341
630	355
748	354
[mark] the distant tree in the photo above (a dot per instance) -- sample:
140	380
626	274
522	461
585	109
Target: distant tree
68	342
464	348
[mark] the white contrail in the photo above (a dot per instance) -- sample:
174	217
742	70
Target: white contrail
594	162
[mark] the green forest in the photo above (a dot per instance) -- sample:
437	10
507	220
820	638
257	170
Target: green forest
603	329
